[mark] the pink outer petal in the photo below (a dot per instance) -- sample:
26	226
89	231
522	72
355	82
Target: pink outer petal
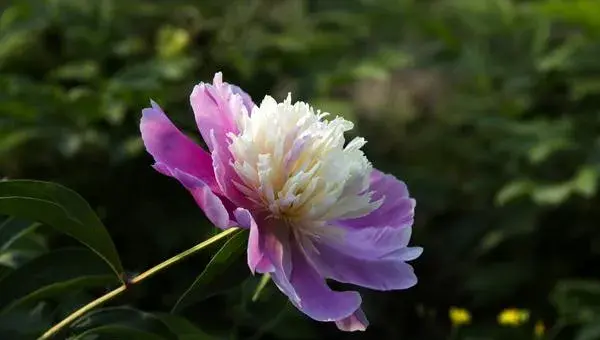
397	209
355	322
215	108
225	174
212	205
317	300
174	149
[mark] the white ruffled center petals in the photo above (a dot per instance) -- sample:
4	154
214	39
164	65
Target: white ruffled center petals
294	165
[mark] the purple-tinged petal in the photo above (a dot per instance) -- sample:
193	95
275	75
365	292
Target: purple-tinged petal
355	322
277	244
216	107
246	99
378	274
375	243
258	260
268	251
317	300
172	148
210	203
397	209
408	253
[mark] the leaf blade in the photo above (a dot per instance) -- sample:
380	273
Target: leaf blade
51	274
61	208
221	262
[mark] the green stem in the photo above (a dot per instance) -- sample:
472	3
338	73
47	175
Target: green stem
139	278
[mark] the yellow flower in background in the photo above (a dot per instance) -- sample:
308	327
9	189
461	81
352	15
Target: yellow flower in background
459	316
513	317
539	329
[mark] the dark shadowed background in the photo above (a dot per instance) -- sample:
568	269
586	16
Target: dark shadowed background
489	110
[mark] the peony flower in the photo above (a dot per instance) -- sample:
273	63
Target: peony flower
314	206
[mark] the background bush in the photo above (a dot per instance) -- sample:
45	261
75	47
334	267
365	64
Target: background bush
488	109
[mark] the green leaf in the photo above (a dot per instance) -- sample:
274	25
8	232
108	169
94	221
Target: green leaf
552	194
12	229
19	243
543	150
496	281
116	332
578	300
589	332
513	190
25	323
222	265
61	208
586	181
171	41
78	70
121	317
272	315
183	328
53	274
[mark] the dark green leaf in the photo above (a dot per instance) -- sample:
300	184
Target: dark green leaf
26	322
589	332
183	328
116	332
578	300
495	281
18	242
225	266
62	209
122	317
53	274
272	314
11	229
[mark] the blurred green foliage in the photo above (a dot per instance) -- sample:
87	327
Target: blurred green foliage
488	109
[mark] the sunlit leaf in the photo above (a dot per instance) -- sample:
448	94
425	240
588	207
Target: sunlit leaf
586	181
171	41
552	193
513	190
80	70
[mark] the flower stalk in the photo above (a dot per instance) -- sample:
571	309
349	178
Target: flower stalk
137	279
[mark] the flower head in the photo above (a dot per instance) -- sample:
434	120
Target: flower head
313	204
513	317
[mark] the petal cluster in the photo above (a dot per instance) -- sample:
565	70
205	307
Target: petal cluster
315	207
